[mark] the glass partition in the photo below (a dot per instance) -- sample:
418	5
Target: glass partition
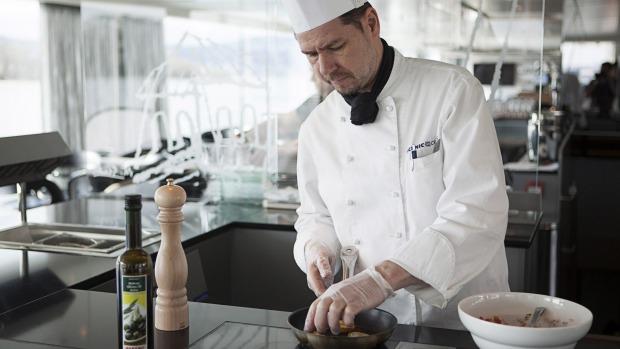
228	76
192	97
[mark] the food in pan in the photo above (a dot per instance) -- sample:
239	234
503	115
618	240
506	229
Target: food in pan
350	334
345	331
357	334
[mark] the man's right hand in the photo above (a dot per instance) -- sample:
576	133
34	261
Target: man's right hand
319	264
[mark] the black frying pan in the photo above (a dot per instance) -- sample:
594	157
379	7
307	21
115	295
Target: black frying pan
379	325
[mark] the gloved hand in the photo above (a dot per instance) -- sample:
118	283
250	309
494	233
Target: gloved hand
346	299
319	266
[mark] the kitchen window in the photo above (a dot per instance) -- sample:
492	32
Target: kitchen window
585	58
20	77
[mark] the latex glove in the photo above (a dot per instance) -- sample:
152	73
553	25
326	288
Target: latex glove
346	299
319	266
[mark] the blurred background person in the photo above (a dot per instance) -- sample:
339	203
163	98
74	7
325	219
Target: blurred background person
601	91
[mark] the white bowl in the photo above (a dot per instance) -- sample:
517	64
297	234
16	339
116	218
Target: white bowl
574	321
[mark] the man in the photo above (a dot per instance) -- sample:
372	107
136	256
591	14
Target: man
602	90
403	163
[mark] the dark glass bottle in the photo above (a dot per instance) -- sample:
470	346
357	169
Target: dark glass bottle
134	283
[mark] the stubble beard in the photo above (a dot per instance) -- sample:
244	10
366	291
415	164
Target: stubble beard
347	89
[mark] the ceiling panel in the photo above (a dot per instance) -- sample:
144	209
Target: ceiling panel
525	8
564	19
591	19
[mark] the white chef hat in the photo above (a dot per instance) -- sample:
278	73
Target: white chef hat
309	14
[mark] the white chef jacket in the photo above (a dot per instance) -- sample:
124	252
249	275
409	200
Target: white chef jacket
423	186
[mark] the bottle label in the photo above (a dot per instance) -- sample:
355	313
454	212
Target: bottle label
134	312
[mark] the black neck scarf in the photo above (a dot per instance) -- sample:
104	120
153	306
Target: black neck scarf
364	108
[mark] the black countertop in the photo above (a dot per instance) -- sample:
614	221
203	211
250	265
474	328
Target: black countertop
87	319
29	275
40	306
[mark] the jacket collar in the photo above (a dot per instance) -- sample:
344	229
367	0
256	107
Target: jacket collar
391	84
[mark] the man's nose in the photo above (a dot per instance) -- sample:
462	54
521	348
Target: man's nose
326	64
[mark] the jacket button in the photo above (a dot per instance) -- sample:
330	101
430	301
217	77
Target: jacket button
395	194
350	158
392	147
389	108
343	119
357	242
350	202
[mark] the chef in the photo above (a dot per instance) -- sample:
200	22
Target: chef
401	162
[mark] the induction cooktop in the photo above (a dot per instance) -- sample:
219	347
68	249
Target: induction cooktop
234	335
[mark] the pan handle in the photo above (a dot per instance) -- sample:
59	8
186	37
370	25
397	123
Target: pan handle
348	254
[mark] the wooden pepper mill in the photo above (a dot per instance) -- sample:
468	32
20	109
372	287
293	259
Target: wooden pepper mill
171	309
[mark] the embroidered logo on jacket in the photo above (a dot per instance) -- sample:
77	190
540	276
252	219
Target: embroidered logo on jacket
423	149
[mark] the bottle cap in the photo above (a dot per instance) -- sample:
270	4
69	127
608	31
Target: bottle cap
133	201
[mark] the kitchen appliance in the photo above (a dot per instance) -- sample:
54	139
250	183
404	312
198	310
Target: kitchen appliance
544	135
38	155
31	157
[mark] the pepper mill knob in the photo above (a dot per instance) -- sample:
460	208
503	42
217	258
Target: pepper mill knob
171	309
170	195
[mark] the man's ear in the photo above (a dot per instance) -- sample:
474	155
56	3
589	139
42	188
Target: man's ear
372	20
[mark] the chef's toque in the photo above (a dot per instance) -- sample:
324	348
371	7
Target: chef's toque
309	14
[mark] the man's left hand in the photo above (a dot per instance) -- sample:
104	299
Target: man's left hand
346	299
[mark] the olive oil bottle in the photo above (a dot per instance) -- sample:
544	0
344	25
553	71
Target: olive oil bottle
134	283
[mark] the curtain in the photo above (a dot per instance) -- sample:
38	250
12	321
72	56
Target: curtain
62	73
142	50
119	53
122	45
94	63
101	64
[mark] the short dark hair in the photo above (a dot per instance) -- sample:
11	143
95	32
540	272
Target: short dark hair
354	16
